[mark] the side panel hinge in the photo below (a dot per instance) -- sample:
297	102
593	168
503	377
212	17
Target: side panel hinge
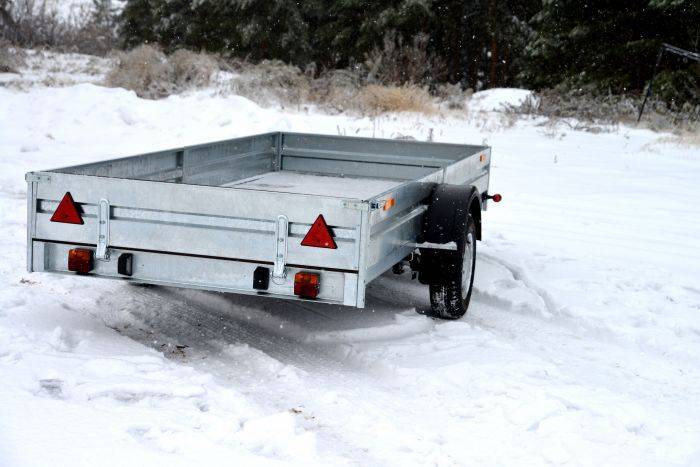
282	231
103	209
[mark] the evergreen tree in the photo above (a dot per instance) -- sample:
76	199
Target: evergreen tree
478	40
607	44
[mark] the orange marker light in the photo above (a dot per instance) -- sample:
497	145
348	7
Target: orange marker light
389	204
80	260
307	284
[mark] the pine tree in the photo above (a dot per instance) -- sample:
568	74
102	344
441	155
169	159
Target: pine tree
608	45
479	41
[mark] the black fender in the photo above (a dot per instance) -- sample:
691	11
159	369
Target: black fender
447	212
444	221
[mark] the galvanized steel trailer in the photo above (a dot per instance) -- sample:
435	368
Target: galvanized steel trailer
235	216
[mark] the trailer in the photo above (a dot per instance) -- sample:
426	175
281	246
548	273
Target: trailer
286	215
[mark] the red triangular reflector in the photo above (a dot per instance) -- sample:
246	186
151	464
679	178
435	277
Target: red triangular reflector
319	235
67	211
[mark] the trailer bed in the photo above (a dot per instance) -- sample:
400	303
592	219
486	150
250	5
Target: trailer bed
209	216
317	184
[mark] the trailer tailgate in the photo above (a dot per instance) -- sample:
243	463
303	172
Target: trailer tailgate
196	220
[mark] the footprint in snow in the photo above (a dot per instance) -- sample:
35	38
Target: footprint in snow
52	387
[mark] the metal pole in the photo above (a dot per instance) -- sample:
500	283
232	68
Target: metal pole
675	50
651	82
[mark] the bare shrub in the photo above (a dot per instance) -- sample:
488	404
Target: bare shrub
336	90
36	23
11	58
191	69
271	81
592	109
452	95
397	63
408	98
30	23
144	70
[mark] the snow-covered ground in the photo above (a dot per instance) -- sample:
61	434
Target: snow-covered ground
582	344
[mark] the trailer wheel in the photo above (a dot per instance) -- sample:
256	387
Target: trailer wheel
450	297
453	215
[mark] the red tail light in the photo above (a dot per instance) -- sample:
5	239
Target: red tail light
497	198
80	260
319	235
307	284
67	211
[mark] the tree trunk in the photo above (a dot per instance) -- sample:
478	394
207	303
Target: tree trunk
9	27
493	75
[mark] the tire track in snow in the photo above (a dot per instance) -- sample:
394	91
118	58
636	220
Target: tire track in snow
247	342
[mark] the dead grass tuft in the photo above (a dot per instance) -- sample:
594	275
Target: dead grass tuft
191	69
590	110
336	91
144	70
151	74
377	99
270	82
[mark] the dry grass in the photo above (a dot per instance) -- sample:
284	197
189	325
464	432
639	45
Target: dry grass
191	69
270	82
144	70
151	74
376	99
336	91
452	96
590	110
398	63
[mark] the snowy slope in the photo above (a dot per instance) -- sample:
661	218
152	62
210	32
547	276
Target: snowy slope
498	99
582	344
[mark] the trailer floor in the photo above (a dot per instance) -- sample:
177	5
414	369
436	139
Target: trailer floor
315	184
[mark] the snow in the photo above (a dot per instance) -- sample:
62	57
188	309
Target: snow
498	99
71	9
581	346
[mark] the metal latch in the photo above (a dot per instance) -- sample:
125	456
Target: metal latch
278	271
102	252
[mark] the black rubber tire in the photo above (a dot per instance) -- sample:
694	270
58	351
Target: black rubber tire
448	298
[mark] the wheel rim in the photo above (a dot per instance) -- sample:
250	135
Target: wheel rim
467	261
